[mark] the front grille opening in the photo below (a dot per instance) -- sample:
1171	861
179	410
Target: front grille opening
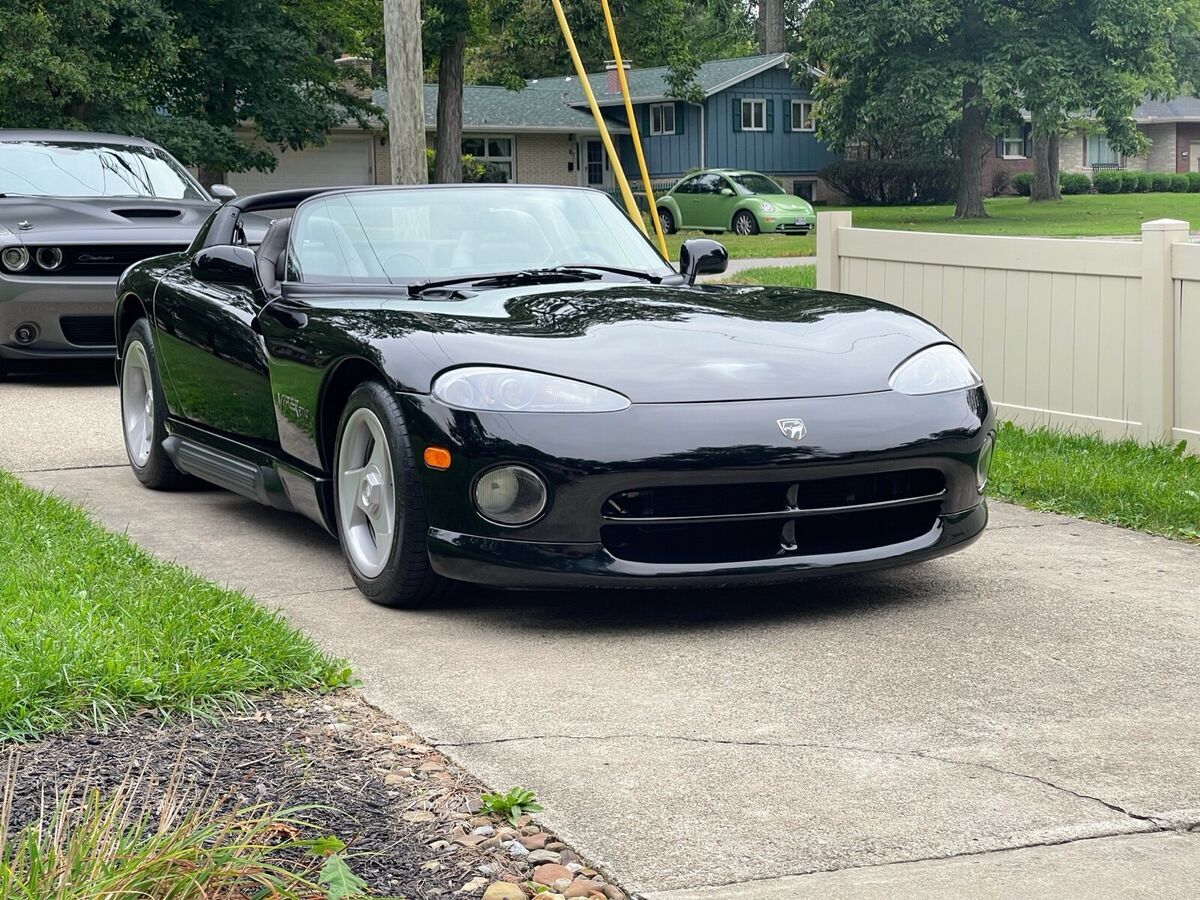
100	260
742	541
767	497
88	331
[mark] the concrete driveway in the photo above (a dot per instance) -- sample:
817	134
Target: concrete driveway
888	735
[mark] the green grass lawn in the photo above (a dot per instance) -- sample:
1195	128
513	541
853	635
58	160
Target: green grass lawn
781	276
1082	215
93	629
1154	489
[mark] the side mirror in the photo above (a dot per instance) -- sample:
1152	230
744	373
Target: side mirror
700	256
225	264
222	192
726	192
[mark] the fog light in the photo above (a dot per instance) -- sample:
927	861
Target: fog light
15	258
49	258
984	465
510	495
25	333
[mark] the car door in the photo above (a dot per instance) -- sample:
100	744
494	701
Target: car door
687	199
214	361
709	201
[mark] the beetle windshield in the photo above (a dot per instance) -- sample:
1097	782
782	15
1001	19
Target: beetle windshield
391	236
754	183
66	169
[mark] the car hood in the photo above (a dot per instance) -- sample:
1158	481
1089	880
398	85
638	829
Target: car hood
657	344
785	202
115	219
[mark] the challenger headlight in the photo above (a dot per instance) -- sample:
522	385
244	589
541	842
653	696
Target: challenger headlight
767	207
15	258
494	389
935	370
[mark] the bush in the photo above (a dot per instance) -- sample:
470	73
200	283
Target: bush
1001	181
1107	181
1022	183
1179	184
1161	181
1074	183
1129	182
1145	182
1193	182
894	181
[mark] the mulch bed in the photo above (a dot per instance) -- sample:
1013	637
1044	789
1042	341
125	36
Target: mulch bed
407	813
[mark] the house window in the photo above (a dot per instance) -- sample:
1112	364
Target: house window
1100	154
494	151
754	115
1013	143
662	118
802	116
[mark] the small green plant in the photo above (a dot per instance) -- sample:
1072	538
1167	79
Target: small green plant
1078	183
1179	183
1193	182
512	805
1161	182
1145	182
1022	183
1129	182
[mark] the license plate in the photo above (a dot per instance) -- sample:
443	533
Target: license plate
800	221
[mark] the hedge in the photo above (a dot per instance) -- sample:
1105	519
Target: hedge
1161	182
1108	181
1074	183
893	181
1179	184
1022	183
1145	182
1129	182
1193	182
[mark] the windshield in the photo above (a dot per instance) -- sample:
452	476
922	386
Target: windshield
756	184
64	169
414	235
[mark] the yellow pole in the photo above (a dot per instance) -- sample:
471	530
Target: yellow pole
633	129
622	183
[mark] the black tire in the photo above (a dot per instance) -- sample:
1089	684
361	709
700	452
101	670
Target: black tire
407	580
667	221
740	219
157	472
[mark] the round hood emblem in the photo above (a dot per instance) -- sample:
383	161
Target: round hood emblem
793	429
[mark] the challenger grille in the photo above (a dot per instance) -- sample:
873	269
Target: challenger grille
88	331
768	520
101	260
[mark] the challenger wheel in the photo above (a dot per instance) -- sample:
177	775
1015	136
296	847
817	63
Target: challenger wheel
380	511
144	413
745	223
667	221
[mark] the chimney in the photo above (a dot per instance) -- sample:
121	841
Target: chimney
360	64
612	82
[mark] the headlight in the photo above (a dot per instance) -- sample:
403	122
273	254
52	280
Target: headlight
49	258
767	207
935	370
510	495
15	258
515	390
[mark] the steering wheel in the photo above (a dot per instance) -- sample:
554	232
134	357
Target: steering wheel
394	261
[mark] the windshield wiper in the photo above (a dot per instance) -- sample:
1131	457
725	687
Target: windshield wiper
616	270
506	279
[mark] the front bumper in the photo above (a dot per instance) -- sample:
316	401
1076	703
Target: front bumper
523	564
723	450
779	223
72	317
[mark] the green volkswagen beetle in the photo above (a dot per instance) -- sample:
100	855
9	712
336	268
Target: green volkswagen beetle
733	200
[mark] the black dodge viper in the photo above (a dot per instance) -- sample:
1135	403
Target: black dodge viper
507	385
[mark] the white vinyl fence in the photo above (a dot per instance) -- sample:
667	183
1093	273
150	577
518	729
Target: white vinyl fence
1100	336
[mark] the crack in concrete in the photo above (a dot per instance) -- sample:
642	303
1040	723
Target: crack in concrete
20	472
1158	824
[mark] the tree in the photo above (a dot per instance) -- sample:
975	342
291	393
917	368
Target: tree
771	30
405	89
970	64
448	26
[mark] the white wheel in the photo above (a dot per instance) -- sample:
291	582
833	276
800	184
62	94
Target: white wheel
366	493
137	404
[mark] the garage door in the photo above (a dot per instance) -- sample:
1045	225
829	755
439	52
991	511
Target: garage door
345	159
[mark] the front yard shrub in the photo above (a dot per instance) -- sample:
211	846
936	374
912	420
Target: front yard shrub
893	180
1108	181
1193	182
1180	184
1162	182
1022	183
1129	182
1001	182
1074	183
1145	182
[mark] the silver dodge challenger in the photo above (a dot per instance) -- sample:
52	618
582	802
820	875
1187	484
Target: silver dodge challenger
76	210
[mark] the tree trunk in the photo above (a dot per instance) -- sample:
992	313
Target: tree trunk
971	147
448	146
1045	163
406	92
209	176
760	26
773	37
